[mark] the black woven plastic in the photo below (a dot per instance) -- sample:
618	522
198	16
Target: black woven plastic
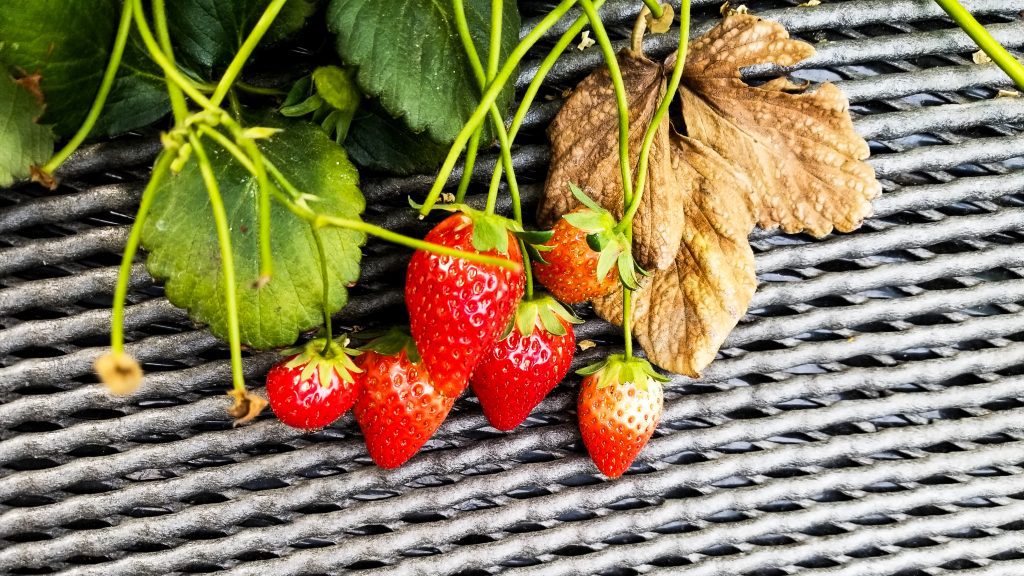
865	418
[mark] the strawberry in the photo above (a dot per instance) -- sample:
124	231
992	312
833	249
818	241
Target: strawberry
399	408
310	389
619	407
458	308
579	258
522	368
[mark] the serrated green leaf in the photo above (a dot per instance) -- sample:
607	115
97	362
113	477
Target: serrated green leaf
208	33
408	54
23	142
383	144
183	250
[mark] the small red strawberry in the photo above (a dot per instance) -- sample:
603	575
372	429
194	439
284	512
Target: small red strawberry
399	408
310	389
458	308
522	368
619	407
581	254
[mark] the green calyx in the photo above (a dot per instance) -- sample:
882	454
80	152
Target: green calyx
605	237
545	312
490	231
392	343
338	358
330	94
621	369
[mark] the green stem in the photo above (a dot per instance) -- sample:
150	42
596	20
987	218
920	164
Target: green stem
655	7
109	75
227	258
483	80
160	169
527	271
627	321
178	106
620	97
326	279
984	40
158	56
489	97
242	56
467	166
659	115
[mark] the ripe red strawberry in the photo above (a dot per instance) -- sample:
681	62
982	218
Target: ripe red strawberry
619	407
309	390
521	369
458	308
399	408
571	270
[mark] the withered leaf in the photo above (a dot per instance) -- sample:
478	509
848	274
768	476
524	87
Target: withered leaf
800	151
682	314
584	151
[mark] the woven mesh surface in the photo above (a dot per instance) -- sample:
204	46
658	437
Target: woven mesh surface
865	418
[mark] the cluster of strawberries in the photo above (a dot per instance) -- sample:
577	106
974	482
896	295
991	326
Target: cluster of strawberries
471	326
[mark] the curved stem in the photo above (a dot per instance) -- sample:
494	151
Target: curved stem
527	271
467	166
220	219
659	115
178	106
620	96
655	7
984	40
109	75
483	80
160	169
242	56
489	97
158	56
325	295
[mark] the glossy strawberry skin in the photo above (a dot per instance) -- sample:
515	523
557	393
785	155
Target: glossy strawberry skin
304	403
571	270
519	371
457	308
399	408
617	421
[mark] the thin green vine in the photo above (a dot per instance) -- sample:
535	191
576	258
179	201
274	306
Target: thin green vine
983	38
245	50
109	75
178	106
325	291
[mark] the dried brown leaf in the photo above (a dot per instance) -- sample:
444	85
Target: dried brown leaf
584	151
800	151
682	314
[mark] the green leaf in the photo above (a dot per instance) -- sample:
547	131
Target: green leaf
408	54
337	88
23	142
490	234
183	250
383	144
208	33
68	44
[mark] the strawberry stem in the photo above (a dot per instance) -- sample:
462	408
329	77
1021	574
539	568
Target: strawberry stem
245	51
467	165
227	258
655	7
489	97
1000	55
659	115
178	106
162	60
163	164
120	41
325	293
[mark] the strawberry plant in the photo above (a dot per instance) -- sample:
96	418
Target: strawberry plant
252	214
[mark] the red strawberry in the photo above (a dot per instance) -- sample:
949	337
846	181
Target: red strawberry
521	369
458	308
571	269
399	408
309	390
583	250
619	407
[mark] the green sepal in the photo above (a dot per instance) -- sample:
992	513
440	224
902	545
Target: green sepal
621	369
490	233
551	323
584	199
548	311
533	252
392	343
302	89
606	262
627	271
537	237
339	359
589	221
311	104
597	242
526	317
